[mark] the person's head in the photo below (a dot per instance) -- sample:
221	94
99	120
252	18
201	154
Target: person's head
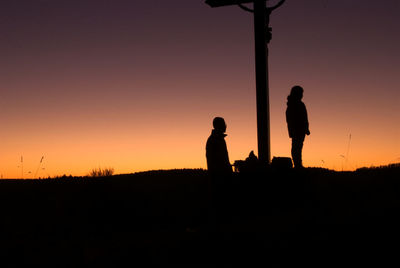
296	93
219	124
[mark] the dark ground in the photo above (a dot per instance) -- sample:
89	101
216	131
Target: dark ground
310	217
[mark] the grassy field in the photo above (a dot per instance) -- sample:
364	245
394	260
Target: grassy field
280	218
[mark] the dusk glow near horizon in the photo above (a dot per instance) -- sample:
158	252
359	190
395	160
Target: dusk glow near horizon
134	85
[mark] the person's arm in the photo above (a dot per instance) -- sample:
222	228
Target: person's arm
289	122
306	121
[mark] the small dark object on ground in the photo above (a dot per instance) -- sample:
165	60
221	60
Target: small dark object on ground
251	164
282	163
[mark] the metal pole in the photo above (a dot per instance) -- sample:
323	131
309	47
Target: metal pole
261	21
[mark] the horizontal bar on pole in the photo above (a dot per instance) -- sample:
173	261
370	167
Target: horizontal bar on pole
220	3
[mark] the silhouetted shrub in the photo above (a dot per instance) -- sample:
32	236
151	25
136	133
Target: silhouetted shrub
99	172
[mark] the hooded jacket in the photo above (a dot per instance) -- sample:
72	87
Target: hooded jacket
217	154
296	117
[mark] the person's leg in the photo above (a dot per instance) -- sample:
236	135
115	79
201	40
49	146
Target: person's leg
297	146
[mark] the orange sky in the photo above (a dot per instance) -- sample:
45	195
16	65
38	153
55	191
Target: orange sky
134	87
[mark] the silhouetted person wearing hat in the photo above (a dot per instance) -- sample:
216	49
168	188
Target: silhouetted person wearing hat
297	121
220	171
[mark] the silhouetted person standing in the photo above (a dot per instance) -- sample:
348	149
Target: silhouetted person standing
216	152
297	121
219	169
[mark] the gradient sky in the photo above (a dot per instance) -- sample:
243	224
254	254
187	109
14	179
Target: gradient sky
134	85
